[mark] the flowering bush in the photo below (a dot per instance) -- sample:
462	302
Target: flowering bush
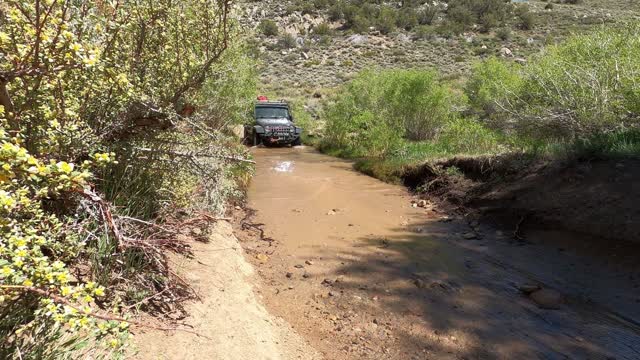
36	245
80	80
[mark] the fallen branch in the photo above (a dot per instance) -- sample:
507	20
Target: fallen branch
516	232
148	223
61	300
106	213
196	155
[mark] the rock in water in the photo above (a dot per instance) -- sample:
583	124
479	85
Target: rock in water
528	288
470	236
547	298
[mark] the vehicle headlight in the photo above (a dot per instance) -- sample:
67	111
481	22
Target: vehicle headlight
267	128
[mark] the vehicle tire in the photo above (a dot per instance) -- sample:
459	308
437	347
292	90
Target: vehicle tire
247	137
297	142
256	139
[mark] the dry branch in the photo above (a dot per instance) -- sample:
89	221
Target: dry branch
62	300
195	155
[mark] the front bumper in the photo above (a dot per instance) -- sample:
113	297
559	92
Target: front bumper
280	135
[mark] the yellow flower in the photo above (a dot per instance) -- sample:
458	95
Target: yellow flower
75	47
90	61
113	343
6	271
65	167
62	277
122	79
27	283
99	291
66	290
67	35
4	38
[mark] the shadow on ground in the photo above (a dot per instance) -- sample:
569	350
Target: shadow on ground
442	296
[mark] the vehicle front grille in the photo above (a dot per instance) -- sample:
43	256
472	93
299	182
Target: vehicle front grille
280	130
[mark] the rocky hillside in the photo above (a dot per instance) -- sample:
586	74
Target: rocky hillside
307	46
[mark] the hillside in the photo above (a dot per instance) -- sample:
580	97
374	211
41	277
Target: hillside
312	51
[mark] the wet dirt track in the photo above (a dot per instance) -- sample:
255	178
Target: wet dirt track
360	273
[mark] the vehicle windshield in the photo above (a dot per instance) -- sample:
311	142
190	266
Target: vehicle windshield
272	113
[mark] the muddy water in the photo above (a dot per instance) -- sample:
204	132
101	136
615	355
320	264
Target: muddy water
311	201
360	273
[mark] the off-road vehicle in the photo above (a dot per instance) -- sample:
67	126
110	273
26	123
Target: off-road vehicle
273	125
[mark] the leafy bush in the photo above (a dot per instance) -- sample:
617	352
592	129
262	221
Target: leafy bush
427	15
526	17
287	41
578	89
488	13
467	136
407	19
386	20
376	110
491	82
323	29
268	28
503	34
425	32
336	11
73	93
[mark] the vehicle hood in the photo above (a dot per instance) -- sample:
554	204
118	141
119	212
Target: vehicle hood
274	122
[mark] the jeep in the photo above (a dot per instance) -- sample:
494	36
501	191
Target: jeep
273	125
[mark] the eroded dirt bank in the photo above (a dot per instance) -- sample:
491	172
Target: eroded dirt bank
361	273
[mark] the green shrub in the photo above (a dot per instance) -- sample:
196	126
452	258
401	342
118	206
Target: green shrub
375	111
325	40
287	41
386	20
467	136
526	17
268	28
407	19
503	34
578	89
461	16
425	32
336	11
488	13
361	24
323	29
490	82
427	15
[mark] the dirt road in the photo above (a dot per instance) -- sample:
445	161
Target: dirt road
361	273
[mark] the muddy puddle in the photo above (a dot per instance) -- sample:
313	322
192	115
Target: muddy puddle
362	273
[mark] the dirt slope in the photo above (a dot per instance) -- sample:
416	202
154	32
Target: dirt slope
231	320
360	273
